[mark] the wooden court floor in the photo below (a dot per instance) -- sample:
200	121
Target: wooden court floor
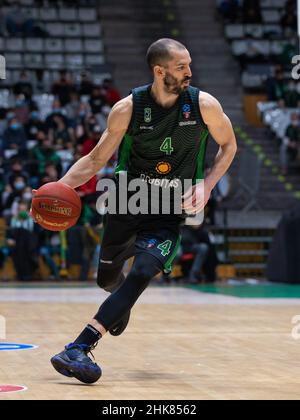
177	350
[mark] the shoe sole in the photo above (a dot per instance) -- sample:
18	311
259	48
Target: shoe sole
77	370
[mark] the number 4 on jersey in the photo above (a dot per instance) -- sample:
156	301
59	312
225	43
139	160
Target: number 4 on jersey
166	146
165	247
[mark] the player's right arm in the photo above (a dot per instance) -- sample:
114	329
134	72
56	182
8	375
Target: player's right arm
86	167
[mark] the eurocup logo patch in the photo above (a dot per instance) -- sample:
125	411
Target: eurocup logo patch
147	115
186	110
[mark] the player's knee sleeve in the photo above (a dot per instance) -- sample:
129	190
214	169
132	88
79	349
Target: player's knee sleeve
109	277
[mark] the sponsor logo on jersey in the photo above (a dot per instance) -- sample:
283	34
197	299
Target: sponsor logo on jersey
163	183
163	168
186	110
146	127
183	123
147	115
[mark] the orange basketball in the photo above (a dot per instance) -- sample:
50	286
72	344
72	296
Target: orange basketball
56	206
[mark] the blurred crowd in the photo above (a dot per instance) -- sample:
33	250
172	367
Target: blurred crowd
35	150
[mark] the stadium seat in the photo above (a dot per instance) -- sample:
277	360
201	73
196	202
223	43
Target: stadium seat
73	45
273	30
74	60
271	16
251	80
239	47
54	45
55	29
91	30
234	31
14	60
93	45
263	46
94	59
87	15
277	47
73	30
68	14
256	31
33	60
34	44
31	12
54	61
48	14
14	44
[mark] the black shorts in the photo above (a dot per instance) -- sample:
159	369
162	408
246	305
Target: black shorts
128	235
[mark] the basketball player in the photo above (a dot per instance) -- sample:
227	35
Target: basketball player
162	131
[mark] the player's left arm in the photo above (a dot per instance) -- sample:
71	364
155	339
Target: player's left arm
221	130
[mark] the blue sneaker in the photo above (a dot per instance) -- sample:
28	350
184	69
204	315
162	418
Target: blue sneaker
74	362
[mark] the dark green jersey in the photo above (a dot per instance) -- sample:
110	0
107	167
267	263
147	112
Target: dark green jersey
165	144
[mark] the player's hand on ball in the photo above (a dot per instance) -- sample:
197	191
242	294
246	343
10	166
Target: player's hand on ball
196	198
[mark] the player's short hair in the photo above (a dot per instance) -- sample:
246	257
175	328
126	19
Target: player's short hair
160	52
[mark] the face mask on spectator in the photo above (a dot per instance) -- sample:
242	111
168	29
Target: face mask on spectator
15	126
19	185
10	115
20	103
23	215
27	196
35	115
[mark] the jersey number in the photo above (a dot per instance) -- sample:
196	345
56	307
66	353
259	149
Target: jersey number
165	248
166	146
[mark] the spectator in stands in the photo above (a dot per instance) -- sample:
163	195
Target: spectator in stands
196	242
18	23
98	100
44	153
57	109
22	111
23	243
16	171
86	85
92	140
229	9
34	125
112	95
63	88
61	136
291	96
50	174
289	19
23	86
14	138
289	50
49	245
290	144
251	11
11	195
276	86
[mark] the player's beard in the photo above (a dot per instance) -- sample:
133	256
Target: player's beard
173	85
